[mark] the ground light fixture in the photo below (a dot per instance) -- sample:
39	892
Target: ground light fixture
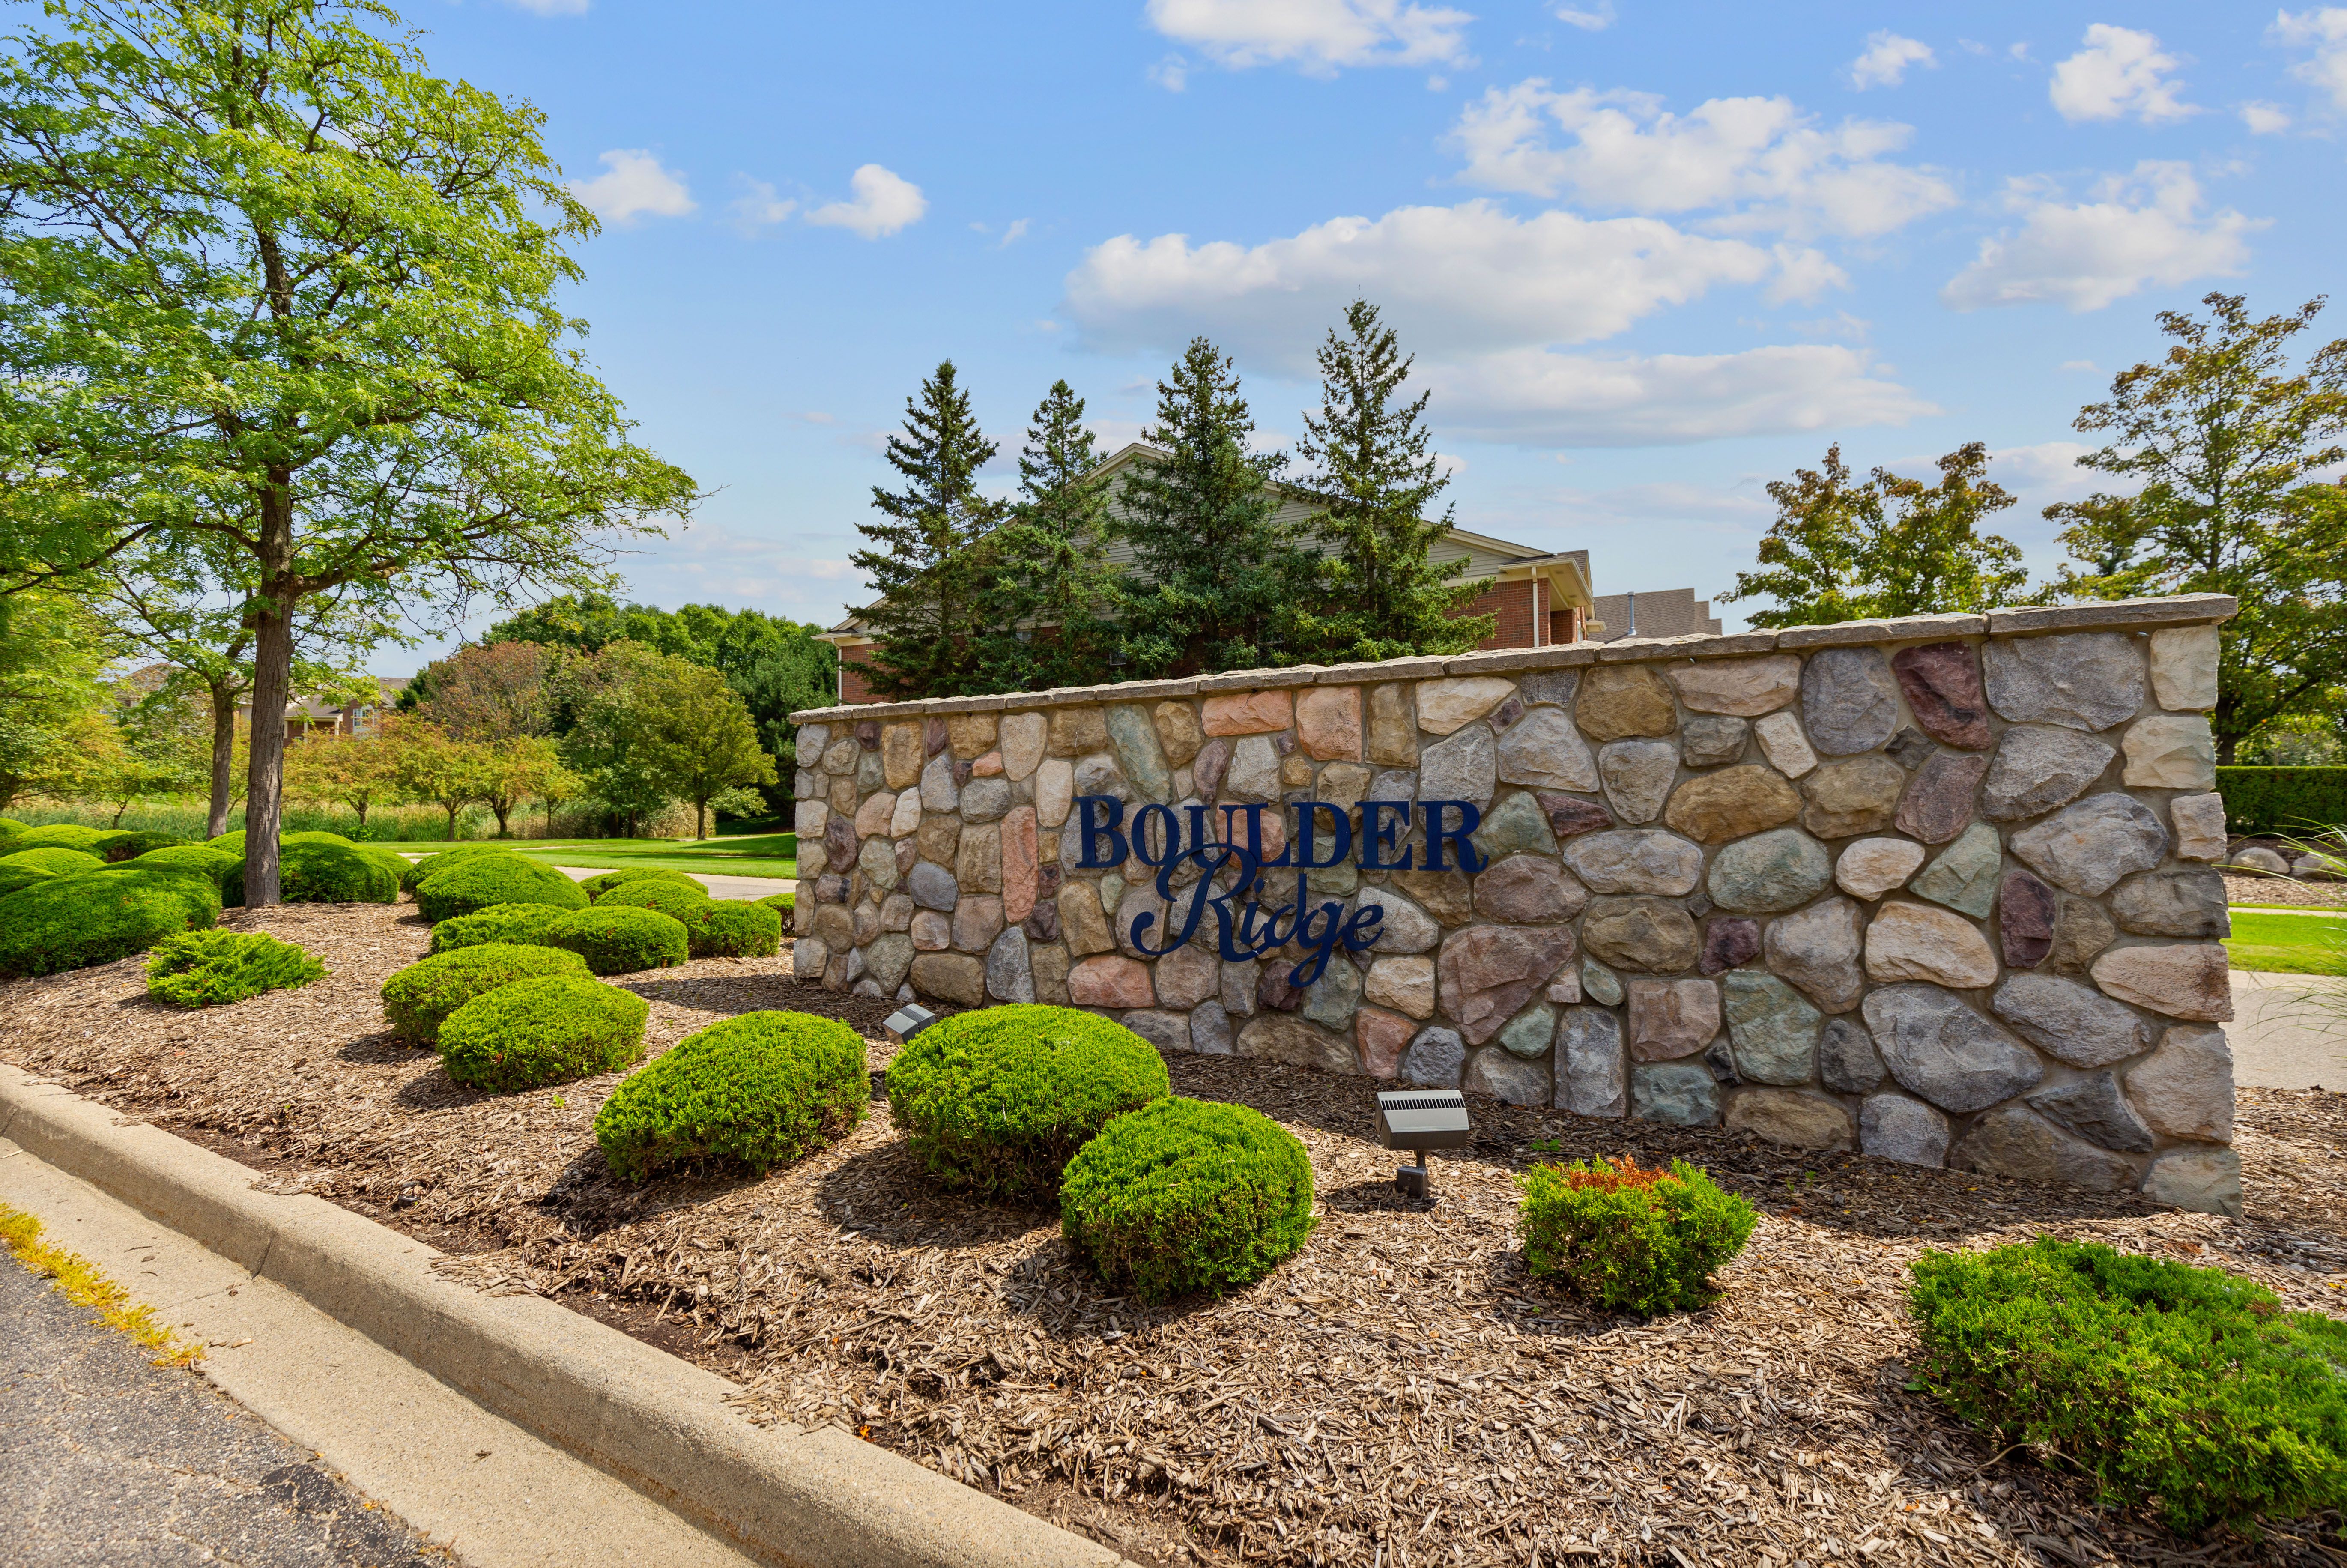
902	1025
1417	1120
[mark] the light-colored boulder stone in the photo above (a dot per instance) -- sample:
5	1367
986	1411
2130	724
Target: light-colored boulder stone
1435	1059
2069	1022
1681	1093
1008	975
1644	860
905	818
1084	924
2184	667
1328	723
1393	730
2182	980
1133	738
977	861
1249	712
1517	826
2199	824
1528	890
1529	1033
1544	751
809	817
1600	984
1110	980
1055	789
1849	702
1022	742
976	921
1637	776
2185	1089
1917	942
1894	1127
2087	847
873	817
1746	687
1464	767
1168	1031
2204	1180
1708	742
1445	705
1847	798
1405	984
1731	803
1780	869
1188	975
1620	701
938	790
2087	681
1797	1117
1818	949
2014	1141
985	799
2176	902
2170	751
2041	767
1592	1073
1405	928
1382	1038
1939	1049
932	930
1672	1019
1873	867
1782	742
1254	772
955	978
1654	935
1298	1042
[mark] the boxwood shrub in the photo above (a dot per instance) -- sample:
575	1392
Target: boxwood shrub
621	940
440	860
755	1090
523	923
10	827
734	929
2163	1381
71	922
311	871
1639	1239
15	874
54	858
785	902
62	834
418	999
685	900
231	841
1185	1195
997	1100
603	882
116	847
500	877
549	1030
206	968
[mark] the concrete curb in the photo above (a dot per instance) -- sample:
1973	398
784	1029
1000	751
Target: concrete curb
818	1498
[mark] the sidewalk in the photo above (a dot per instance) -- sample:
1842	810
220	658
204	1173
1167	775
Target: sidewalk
2283	1039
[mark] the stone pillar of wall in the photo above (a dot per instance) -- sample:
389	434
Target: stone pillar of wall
1935	889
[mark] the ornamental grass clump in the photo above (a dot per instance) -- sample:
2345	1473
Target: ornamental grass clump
621	940
534	1033
1630	1238
733	929
683	900
522	923
2189	1388
418	999
755	1090
500	876
1185	1195
997	1100
73	921
210	968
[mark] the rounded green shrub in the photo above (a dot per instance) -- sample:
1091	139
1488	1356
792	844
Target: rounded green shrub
786	902
231	841
225	871
206	968
10	827
62	835
440	860
14	876
754	1091
997	1100
621	940
418	999
500	877
315	837
549	1030
1185	1195
310	871
2189	1386
522	923
604	881
734	929
71	922
683	901
119	847
1637	1239
54	858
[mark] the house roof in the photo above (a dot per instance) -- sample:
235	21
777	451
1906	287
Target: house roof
1487	558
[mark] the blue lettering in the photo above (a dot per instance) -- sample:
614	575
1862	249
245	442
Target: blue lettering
1099	818
1307	822
1169	835
1437	835
1378	837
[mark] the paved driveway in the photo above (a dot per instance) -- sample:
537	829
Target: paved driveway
2289	1031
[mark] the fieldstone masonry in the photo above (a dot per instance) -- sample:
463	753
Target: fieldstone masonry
1932	888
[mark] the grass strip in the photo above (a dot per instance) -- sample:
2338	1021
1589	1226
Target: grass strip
78	1281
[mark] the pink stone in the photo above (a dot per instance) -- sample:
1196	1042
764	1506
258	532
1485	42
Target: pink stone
1110	980
1487	973
1938	803
2025	908
1249	712
1328	723
1569	815
1382	1037
1728	941
988	766
1671	1019
1943	684
1019	866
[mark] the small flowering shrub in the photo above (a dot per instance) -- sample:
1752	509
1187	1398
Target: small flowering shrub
1630	1237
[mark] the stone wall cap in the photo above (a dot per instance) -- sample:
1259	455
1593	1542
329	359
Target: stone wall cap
1260	680
2176	609
1504	661
960	704
1628	649
1898	628
1380	669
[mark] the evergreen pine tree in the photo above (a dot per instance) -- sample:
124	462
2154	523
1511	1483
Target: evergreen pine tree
1212	567
925	564
1051	576
1378	594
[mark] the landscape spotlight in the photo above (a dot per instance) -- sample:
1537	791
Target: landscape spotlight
1419	1120
907	1021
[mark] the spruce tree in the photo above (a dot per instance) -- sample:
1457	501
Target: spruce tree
1213	569
926	563
1051	579
1378	594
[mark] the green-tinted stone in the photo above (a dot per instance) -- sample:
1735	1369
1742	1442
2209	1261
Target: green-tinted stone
1773	1028
1963	876
1783	869
1133	737
1517	826
1528	1032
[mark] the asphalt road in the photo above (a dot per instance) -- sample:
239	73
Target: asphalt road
109	1461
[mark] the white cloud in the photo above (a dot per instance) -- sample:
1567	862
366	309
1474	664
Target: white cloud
552	8
2144	228
2265	119
2087	365
1015	232
633	183
1759	163
1172	73
1588	18
2119	72
2325	32
1317	36
1885	61
759	207
884	202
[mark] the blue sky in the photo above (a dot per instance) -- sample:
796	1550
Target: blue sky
1649	256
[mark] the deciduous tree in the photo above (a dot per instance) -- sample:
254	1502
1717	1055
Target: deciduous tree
360	771
703	740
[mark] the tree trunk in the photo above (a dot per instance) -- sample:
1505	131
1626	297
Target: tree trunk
699	819
452	811
273	689
223	760
502	808
360	808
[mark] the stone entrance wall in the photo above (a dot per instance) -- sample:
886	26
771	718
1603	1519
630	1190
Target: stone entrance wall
1935	889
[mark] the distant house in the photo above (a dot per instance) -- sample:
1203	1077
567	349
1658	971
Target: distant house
1538	597
316	716
1671	612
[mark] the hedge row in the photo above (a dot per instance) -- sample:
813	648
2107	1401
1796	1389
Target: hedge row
2293	801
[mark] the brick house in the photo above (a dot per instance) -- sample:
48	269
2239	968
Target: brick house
1540	597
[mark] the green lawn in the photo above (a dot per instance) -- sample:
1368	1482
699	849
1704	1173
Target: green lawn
2289	944
764	855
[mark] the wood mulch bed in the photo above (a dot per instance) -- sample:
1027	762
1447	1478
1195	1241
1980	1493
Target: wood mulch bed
2248	890
1399	1393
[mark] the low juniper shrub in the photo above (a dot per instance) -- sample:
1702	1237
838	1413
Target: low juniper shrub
549	1030
226	871
1185	1195
522	923
13	875
313	871
62	835
1630	1238
756	1091
418	999
212	968
621	940
997	1100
